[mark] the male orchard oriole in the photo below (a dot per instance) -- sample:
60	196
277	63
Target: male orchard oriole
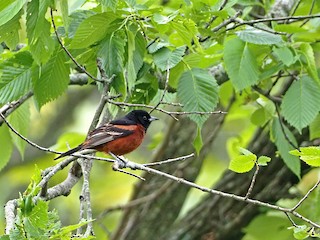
119	136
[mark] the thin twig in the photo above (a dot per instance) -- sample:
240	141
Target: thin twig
306	196
10	107
253	181
67	51
290	219
164	90
170	113
263	20
169	160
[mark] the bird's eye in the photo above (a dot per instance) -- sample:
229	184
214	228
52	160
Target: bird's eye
145	118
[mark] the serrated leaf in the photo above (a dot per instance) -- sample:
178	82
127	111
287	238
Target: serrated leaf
240	64
198	91
257	36
111	52
283	146
164	58
285	55
242	163
155	46
9	32
9	8
186	31
311	63
20	120
197	143
76	18
314	128
161	19
38	31
54	78
16	77
135	48
112	4
6	146
263	160
64	8
301	103
92	30
310	155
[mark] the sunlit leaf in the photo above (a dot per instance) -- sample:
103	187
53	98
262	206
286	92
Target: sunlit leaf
9	8
263	160
6	146
243	163
310	155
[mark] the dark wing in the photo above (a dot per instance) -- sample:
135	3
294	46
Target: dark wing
104	134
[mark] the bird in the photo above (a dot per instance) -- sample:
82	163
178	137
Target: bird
117	137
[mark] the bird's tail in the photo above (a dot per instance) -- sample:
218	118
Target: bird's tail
69	152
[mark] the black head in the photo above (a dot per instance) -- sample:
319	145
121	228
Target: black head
142	117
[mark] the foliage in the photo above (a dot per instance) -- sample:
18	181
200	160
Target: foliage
149	49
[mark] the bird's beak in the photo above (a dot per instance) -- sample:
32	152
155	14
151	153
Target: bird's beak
153	118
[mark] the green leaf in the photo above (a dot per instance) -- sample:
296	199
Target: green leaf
185	32
64	8
9	8
20	120
285	55
76	18
66	231
16	78
155	46
54	78
257	36
197	143
258	117
92	30
38	31
6	146
111	52
136	49
310	59
243	163
314	128
198	91
300	232
301	103
292	162
112	4
161	19
263	160
310	155
164	58
240	64
9	32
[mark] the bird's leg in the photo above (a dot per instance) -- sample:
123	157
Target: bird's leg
122	163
